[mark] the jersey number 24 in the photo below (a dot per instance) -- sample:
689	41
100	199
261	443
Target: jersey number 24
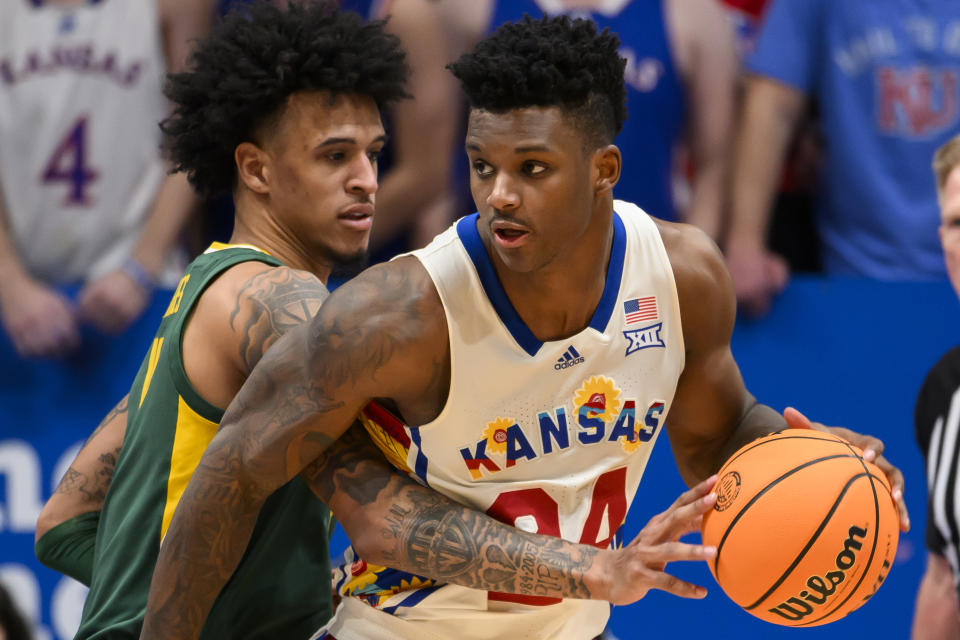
609	497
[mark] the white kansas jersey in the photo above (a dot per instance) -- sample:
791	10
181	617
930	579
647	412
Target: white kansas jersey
80	101
551	437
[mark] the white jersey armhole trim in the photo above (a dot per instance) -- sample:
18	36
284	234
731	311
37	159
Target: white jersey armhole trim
454	239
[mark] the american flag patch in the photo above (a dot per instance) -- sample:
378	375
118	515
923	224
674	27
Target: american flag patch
640	309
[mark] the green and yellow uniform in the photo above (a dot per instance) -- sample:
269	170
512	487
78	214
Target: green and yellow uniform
281	588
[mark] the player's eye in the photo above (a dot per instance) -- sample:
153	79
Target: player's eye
534	168
482	169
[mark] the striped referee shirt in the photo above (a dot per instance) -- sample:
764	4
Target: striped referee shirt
937	426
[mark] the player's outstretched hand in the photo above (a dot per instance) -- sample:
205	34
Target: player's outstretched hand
635	569
872	452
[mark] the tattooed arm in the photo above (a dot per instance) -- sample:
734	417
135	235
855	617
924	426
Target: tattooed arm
238	319
84	485
381	334
393	521
67	526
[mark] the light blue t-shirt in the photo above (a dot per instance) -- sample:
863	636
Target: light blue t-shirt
884	74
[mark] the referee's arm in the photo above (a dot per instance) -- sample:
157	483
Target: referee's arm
937	615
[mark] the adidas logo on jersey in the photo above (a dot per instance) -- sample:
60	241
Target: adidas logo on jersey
570	358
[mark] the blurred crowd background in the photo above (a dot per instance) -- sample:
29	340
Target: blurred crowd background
797	133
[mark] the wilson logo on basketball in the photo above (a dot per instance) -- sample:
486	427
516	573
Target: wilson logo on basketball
822	587
805	488
728	488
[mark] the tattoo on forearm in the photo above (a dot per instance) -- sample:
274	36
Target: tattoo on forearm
71	481
199	559
426	533
270	304
447	541
341	468
108	462
92	489
89	486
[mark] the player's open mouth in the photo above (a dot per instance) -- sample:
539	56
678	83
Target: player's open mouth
508	233
510	237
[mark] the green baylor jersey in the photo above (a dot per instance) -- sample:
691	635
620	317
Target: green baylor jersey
281	588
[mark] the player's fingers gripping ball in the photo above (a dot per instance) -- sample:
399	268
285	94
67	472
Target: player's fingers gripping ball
805	528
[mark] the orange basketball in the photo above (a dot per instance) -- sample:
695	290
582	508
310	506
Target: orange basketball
805	528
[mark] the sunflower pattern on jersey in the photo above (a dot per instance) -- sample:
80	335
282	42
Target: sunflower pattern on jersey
599	399
380	587
399	443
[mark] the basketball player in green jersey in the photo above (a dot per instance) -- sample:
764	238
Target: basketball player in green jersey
299	114
283	110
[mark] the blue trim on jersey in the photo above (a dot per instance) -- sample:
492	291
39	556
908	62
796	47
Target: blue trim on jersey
413	599
470	237
420	467
611	288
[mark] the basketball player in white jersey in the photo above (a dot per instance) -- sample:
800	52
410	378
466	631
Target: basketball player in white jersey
540	345
84	195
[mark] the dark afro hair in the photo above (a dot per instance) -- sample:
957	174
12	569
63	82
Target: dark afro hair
242	74
550	62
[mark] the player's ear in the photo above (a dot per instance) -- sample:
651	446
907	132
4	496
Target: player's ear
606	166
253	167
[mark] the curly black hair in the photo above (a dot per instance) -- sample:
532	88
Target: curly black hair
549	62
242	74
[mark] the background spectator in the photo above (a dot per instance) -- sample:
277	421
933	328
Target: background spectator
85	196
883	75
